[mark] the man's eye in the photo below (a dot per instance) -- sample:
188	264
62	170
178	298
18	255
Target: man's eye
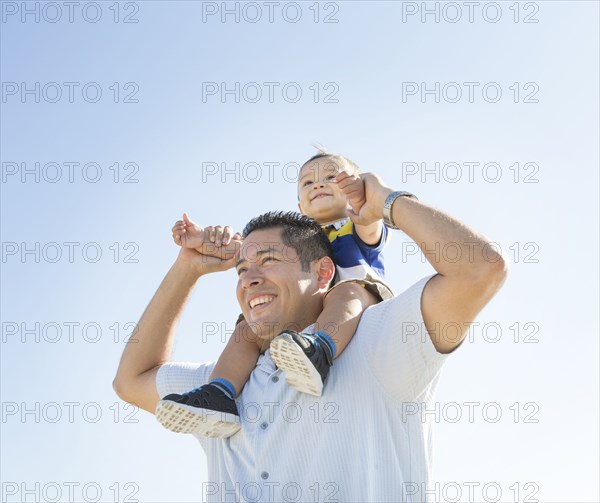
331	177
307	183
241	270
269	259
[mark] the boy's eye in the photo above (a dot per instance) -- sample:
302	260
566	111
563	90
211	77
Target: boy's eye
330	177
241	270
307	183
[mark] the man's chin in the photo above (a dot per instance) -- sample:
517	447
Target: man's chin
266	330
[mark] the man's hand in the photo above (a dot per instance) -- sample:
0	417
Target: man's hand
375	194
206	249
352	186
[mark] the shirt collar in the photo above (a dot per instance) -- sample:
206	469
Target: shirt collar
339	224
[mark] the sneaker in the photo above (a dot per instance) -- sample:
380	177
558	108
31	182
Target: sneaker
206	410
304	359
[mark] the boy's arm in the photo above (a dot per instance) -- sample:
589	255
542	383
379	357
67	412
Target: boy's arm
353	188
370	234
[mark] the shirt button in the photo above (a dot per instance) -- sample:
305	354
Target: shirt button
274	378
264	475
264	426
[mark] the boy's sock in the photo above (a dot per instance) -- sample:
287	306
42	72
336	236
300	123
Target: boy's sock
324	338
225	386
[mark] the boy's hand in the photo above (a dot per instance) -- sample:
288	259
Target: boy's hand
188	234
353	187
375	192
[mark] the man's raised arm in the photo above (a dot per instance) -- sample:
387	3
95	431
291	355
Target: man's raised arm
470	270
151	345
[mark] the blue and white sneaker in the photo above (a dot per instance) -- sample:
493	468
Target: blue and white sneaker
305	359
206	410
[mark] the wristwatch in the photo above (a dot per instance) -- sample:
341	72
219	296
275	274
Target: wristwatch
387	207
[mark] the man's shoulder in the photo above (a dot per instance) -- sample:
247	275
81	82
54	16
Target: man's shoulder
406	304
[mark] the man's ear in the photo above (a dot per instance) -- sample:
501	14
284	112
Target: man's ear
325	272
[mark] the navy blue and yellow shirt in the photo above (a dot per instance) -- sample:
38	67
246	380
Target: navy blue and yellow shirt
354	258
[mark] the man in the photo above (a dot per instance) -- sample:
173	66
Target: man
363	440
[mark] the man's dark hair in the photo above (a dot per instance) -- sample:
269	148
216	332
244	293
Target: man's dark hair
298	231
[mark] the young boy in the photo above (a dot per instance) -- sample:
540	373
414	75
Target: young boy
329	188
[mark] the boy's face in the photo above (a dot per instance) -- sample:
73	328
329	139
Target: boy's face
319	198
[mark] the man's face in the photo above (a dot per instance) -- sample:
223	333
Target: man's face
319	198
273	290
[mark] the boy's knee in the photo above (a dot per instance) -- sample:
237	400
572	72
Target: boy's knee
351	289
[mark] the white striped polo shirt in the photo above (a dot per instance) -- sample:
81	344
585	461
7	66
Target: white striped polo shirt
363	440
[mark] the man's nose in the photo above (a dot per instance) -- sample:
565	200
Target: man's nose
251	278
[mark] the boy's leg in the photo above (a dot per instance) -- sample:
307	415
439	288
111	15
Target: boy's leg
210	409
238	359
342	308
306	358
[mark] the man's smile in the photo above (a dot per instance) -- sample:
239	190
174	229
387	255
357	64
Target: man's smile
260	300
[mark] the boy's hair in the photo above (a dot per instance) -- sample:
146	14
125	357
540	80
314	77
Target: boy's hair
298	231
327	156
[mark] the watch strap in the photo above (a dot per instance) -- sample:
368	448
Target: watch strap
387	207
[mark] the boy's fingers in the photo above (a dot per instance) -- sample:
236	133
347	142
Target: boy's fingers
227	235
211	234
218	235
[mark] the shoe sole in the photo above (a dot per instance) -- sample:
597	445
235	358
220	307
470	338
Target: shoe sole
300	373
182	418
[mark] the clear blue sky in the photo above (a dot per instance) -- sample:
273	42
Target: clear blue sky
164	137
